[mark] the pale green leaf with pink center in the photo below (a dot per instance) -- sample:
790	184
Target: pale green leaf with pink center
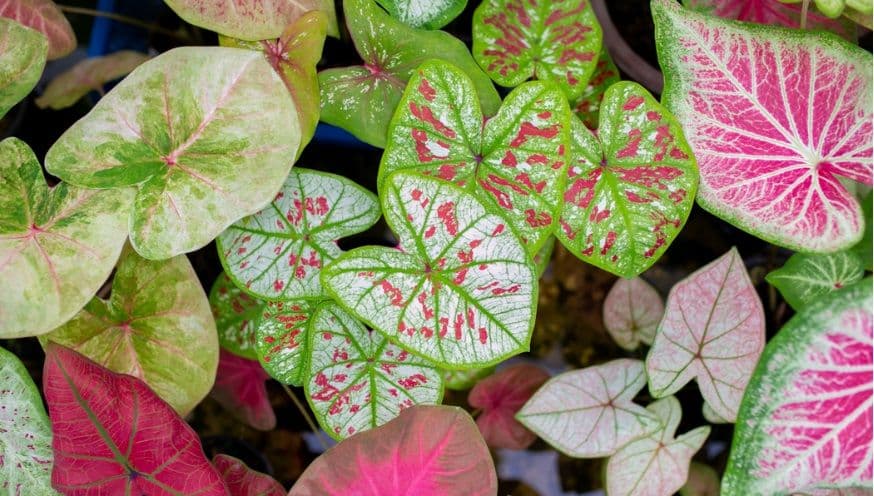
281	342
632	312
588	105
88	75
251	19
235	313
208	135
45	17
807	277
425	14
22	60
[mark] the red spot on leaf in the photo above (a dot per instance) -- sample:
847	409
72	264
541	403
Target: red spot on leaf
426	90
425	114
630	149
537	219
528	130
633	102
446	213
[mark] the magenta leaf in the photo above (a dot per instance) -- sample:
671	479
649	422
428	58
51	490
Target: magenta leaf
243	481
773	12
281	340
632	312
113	435
239	387
43	16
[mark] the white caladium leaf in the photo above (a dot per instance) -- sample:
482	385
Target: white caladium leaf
461	292
588	105
235	313
515	163
590	413
278	253
207	133
26	445
657	464
775	117
281	340
250	19
632	312
773	12
805	422
807	277
429	14
57	244
358	379
713	331
21	62
631	188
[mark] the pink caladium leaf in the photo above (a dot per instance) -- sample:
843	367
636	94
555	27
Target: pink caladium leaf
239	387
775	117
88	75
243	481
235	313
805	421
588	105
281	342
43	16
461	292
515	163
499	397
632	312
631	188
773	12
589	413
713	331
657	464
23	60
558	40
358	379
113	435
427	451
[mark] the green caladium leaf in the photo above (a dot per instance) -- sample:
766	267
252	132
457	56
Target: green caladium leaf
558	40
361	99
631	188
21	62
834	8
57	244
26	445
430	14
88	75
807	277
207	133
358	379
515	163
460	290
281	340
156	326
588	105
235	313
462	380
278	253
544	256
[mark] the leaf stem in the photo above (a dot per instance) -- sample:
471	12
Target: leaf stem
120	18
306	415
804	6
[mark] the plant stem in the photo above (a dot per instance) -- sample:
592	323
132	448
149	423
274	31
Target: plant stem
804	6
306	415
120	18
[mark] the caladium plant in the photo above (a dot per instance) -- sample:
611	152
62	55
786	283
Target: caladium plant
243	481
805	277
45	17
632	312
88	75
21	64
235	314
777	13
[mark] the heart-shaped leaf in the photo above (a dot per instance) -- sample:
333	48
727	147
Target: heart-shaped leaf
807	277
43	16
631	188
26	446
775	117
589	413
208	134
235	313
88	75
278	253
713	331
113	435
239	388
462	380
243	481
251	19
558	40
632	312
426	450
499	397
588	105
805	422
657	464
281	340
775	13
362	99
431	14
58	244
21	64
156	326
515	163
462	292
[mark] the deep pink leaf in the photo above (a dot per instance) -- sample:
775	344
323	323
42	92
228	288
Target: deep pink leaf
239	387
43	16
243	481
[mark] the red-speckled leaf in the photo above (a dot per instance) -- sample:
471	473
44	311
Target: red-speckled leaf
22	60
589	413
88	75
113	435
43	16
251	19
631	188
278	253
587	106
805	422
427	450
461	292
359	380
773	12
558	40
235	313
515	163
239	387
775	117
243	481
632	312
713	331
281	340
499	397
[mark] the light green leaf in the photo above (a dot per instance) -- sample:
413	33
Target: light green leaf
281	340
834	8
88	75
588	105
462	380
21	62
235	313
864	247
807	277
426	14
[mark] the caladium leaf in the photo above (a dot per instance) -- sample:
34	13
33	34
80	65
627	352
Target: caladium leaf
805	422
462	380
243	481
426	450
864	247
461	292
544	256
702	481
113	435
711	416
773	12
515	163
156	326
589	413
656	464
499	397
239	387
281	340
88	75
631	188
43	16
834	8
21	63
208	134
235	313
632	312
357	379
807	277
251	19
546	39
26	445
588	105
362	99
58	244
278	253
431	14
713	331
771	130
